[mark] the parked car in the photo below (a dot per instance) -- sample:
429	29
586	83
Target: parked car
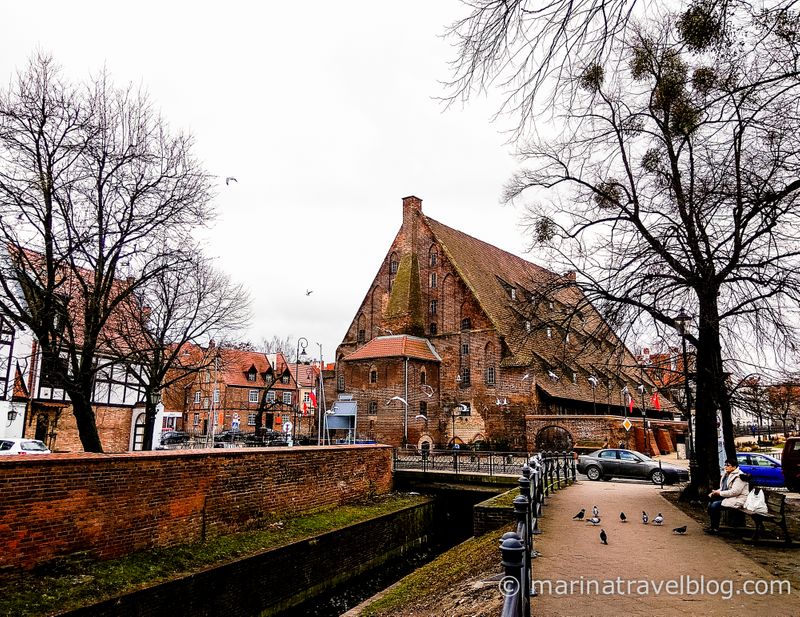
229	436
16	445
762	468
616	463
266	437
790	463
174	437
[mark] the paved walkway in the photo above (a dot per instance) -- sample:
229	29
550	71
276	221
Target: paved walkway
571	551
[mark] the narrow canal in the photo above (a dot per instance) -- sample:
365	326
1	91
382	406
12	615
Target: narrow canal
453	525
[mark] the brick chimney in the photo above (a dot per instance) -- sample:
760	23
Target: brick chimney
411	207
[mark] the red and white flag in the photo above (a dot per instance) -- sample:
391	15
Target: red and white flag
312	394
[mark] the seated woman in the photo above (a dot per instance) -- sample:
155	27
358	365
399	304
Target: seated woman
732	493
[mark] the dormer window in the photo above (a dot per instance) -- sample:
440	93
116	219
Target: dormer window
549	333
574	377
527	326
284	379
251	375
513	293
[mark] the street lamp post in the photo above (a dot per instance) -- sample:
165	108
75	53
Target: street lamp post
301	343
682	319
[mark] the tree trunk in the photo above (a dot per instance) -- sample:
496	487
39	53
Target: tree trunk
85	419
712	396
150	413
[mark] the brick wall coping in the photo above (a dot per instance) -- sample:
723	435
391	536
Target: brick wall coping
92	457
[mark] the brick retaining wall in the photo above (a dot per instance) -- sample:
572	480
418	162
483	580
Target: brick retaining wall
113	504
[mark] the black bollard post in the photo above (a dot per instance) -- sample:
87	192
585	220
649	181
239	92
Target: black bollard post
512	552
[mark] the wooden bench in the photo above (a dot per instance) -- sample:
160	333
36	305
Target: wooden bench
776	508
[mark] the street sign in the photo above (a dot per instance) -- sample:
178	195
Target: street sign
627	424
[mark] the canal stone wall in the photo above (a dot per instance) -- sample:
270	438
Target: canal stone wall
278	579
106	506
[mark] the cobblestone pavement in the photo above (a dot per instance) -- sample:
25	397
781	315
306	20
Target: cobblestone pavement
715	576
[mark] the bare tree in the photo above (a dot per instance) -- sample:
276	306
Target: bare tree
675	184
179	309
96	192
276	344
784	400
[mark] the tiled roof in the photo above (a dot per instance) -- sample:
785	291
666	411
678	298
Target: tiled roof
235	363
306	374
592	349
396	346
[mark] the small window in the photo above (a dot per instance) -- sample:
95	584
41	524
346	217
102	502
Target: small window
206	403
284	379
196	419
197	397
490	376
216	395
373	376
574	377
423	378
464	377
466	323
464	349
340	383
393	267
527	326
549	333
251	376
251	419
373	408
513	293
423	408
287	398
253	396
566	337
434	259
550	305
434	329
433	307
362	336
433	280
271	396
306	398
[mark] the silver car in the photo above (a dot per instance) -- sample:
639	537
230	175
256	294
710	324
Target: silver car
615	463
17	445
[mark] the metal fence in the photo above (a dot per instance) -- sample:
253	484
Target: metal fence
541	475
460	461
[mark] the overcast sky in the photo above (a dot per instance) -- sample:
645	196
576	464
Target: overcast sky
325	112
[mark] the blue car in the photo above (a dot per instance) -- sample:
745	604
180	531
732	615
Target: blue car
765	470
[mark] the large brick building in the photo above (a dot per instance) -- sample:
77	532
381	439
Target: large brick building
458	341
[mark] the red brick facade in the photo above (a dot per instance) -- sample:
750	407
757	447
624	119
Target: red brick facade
503	356
111	505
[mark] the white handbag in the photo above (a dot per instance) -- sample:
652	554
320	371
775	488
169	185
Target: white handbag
756	502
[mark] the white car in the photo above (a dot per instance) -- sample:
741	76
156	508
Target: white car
16	445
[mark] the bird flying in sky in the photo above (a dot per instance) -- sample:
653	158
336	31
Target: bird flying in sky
230	179
309	292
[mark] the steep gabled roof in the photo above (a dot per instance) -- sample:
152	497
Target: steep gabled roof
396	346
235	363
493	275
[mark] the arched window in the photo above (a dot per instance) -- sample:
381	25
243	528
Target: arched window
466	323
393	263
433	256
423	378
361	335
373	375
489	363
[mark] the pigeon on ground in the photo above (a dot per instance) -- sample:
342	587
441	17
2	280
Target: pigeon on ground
658	520
579	516
595	512
644	517
594	520
603	536
680	530
622	517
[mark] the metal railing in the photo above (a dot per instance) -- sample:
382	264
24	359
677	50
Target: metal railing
460	461
542	474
